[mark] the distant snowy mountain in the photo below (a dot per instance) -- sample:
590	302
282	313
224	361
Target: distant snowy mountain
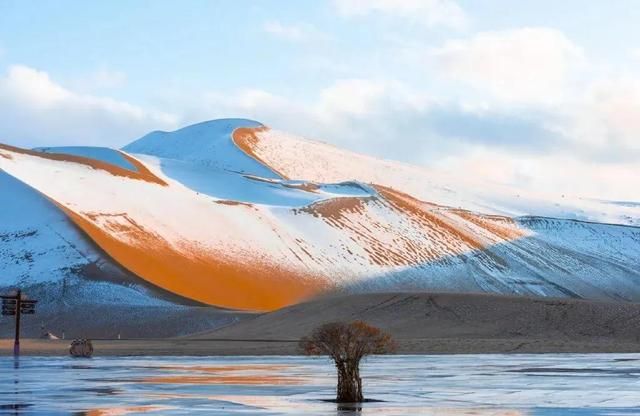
233	214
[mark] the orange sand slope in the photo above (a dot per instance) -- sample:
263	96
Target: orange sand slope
141	172
246	139
196	273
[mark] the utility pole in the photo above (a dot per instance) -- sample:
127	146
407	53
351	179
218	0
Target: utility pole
17	304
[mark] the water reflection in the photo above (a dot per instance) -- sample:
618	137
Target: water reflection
485	385
15	406
348	409
121	411
227	375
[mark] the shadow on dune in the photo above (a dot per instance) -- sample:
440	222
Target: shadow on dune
563	258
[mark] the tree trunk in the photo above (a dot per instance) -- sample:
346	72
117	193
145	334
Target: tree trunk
349	382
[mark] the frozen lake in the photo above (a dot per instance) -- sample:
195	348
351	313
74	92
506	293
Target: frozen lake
552	384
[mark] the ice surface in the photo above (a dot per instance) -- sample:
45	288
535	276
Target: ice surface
481	385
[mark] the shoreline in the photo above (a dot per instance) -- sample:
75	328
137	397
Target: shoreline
420	323
236	347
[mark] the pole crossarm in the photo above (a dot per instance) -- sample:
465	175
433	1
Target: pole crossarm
16	305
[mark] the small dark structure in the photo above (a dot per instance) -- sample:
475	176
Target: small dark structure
17	304
347	344
81	348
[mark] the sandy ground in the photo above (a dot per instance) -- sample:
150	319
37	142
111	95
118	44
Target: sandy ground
410	316
133	322
421	323
174	347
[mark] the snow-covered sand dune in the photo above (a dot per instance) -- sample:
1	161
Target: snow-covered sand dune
232	214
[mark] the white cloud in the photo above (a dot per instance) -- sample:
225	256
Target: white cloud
520	65
605	119
618	104
34	110
379	117
350	97
28	87
431	13
389	119
360	114
293	33
557	174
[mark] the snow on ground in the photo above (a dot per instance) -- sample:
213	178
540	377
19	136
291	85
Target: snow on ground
103	154
171	224
315	161
42	249
229	185
212	223
39	243
206	143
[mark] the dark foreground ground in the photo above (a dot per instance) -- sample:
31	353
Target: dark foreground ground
421	323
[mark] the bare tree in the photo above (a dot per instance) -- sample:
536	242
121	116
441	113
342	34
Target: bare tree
347	344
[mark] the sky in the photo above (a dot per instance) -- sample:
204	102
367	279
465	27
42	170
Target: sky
542	95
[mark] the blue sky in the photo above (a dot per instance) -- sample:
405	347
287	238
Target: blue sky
543	95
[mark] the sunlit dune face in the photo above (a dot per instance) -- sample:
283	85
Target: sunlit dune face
426	218
449	232
141	172
246	138
355	216
336	209
444	231
195	273
502	227
344	214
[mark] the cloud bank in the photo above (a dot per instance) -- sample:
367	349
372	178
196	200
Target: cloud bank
527	106
35	111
